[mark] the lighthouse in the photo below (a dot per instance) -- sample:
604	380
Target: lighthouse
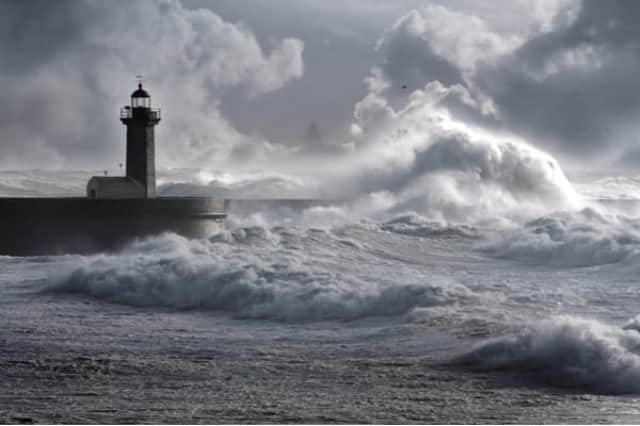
140	180
141	120
116	210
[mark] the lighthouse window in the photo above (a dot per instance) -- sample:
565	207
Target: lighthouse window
141	102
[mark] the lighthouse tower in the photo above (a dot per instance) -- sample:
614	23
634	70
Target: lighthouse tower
141	120
140	181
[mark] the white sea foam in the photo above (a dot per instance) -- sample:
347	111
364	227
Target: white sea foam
254	273
610	188
416	225
420	158
566	352
434	162
584	238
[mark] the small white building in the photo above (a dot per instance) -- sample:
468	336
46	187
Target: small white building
114	187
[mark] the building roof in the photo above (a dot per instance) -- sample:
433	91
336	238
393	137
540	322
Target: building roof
140	93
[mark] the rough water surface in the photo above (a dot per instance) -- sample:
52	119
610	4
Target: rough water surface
316	314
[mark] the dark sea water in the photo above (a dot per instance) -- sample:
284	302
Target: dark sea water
308	318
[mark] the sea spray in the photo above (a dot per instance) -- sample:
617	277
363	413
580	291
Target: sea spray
570	239
567	352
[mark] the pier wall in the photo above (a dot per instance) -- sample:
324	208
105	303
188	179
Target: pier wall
48	226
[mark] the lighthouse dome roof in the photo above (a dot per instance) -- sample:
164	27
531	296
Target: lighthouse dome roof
140	93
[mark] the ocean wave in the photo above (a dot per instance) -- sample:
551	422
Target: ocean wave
438	164
572	239
265	276
610	188
413	224
565	352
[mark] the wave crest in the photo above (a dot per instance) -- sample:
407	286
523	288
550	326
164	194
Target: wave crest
566	352
418	226
570	239
276	281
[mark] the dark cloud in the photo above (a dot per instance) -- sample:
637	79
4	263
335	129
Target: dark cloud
572	88
67	67
575	88
36	114
235	83
34	32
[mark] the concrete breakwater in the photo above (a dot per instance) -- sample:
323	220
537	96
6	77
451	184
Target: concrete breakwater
49	226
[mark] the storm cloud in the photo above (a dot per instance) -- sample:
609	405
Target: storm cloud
67	67
570	87
266	81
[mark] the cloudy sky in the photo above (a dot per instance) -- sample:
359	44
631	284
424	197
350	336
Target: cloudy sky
281	82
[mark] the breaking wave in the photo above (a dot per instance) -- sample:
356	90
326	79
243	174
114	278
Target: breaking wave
434	162
585	238
254	273
416	225
419	158
566	352
459	178
611	188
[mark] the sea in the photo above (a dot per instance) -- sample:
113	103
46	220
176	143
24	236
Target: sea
469	296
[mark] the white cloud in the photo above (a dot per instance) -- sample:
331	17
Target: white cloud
189	58
549	15
463	40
